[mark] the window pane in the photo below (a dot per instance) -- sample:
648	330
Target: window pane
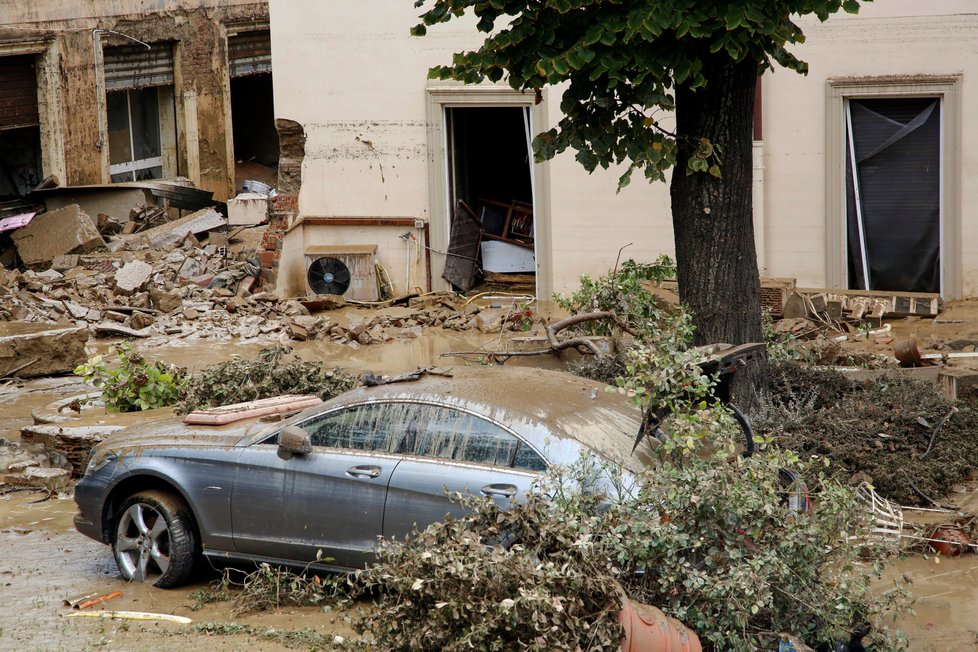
375	427
450	434
121	176
117	111
144	174
145	108
527	458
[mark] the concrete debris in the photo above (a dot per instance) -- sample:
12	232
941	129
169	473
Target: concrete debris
133	276
172	234
42	352
248	208
175	288
65	231
74	443
55	480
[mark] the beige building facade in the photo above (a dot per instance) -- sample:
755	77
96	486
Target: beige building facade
388	154
97	91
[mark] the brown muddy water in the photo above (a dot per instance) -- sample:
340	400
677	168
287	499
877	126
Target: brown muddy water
43	560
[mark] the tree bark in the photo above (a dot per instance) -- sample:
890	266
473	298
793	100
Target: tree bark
713	218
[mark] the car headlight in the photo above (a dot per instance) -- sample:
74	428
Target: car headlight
97	459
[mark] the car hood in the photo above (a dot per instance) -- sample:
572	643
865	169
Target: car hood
169	431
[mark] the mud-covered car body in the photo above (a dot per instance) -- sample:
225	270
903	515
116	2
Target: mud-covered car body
378	462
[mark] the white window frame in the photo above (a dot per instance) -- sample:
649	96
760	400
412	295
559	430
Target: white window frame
443	96
143	163
947	89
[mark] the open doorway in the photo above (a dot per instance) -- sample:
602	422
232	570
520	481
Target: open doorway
256	150
490	192
894	193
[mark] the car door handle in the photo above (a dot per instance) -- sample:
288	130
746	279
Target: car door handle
364	471
508	490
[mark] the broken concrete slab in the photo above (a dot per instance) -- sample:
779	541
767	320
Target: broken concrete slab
65	231
74	442
114	200
56	480
42	352
173	233
106	329
248	209
133	276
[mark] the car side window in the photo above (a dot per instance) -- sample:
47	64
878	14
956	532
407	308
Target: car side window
369	427
422	429
450	434
528	459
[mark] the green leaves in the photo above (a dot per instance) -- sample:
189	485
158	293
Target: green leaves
134	383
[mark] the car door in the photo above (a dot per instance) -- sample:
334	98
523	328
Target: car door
328	503
456	451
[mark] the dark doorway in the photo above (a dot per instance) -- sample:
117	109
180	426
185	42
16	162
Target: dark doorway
255	138
893	198
20	160
491	193
252	108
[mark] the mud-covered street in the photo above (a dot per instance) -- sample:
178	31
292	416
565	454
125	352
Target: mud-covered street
44	561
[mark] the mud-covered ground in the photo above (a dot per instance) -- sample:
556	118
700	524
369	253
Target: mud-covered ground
43	560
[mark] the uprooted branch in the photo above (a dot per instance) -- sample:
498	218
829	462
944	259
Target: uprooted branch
556	345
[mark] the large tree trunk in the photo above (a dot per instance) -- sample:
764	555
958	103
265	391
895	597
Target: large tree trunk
712	218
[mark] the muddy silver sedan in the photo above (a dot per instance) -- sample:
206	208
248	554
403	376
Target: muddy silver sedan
329	481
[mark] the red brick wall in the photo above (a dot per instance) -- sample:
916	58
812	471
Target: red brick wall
281	212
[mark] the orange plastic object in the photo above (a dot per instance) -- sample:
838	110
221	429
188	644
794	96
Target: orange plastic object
950	542
239	411
647	629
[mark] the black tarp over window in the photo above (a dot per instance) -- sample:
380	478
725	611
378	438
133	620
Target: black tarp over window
898	172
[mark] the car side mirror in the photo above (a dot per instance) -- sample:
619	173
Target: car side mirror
293	440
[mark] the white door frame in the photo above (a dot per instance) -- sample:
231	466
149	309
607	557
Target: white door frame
442	96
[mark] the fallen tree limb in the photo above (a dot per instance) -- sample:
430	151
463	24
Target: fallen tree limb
933	436
573	320
556	345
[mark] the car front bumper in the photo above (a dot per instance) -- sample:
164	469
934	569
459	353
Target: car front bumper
90	495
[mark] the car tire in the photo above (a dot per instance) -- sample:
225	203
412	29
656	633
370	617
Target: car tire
154	540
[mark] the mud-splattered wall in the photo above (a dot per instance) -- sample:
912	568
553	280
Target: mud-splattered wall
74	133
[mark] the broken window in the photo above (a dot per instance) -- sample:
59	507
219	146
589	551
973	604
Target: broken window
491	195
893	198
140	111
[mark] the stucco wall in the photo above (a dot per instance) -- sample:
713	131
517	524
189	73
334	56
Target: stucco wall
892	38
202	102
354	78
351	74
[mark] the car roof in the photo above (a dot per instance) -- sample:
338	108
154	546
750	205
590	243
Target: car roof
535	403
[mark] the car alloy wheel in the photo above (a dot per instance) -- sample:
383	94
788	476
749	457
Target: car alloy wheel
154	540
